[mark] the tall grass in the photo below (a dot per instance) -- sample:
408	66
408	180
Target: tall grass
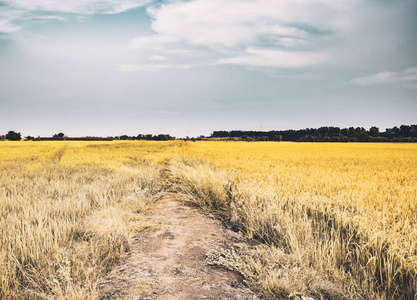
346	211
67	212
335	221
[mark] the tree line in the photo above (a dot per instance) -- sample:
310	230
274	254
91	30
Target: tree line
16	136
404	133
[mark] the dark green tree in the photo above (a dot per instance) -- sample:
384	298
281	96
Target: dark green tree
13	136
374	131
59	135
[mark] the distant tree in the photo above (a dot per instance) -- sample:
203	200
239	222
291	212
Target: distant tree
30	138
13	136
362	136
395	131
59	135
124	137
406	133
374	131
163	137
413	131
220	134
334	131
277	138
308	138
405	130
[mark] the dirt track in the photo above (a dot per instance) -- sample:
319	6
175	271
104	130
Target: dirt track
169	262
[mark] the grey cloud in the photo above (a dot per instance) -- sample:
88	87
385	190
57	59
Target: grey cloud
406	78
19	11
250	33
77	6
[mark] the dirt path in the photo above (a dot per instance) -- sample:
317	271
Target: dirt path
169	263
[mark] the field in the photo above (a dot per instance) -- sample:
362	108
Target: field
67	212
336	221
348	210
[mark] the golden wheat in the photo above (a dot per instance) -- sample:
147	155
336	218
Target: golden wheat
349	210
338	220
67	211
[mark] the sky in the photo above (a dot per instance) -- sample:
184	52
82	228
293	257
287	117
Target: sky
189	67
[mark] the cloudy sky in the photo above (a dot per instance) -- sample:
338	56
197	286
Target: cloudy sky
110	67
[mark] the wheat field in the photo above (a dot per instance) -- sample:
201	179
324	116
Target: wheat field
348	211
67	211
335	221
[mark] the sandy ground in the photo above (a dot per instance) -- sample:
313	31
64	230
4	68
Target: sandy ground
170	262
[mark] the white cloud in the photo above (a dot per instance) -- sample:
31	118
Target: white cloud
19	11
235	22
77	6
7	17
46	18
276	58
264	33
302	76
150	67
7	27
166	112
157	57
406	78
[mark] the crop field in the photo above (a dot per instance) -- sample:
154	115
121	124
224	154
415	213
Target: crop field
348	210
334	221
67	211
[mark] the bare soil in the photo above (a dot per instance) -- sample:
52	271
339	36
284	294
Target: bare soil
170	262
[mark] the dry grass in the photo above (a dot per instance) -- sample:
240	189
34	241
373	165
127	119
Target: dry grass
202	183
67	211
346	210
274	274
336	220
